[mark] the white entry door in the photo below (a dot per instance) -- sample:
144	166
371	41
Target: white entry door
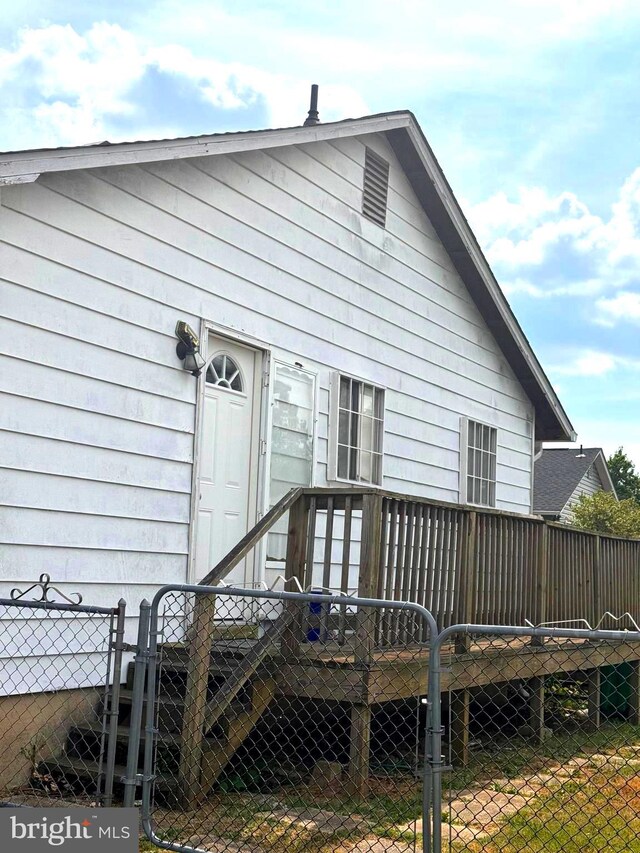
228	458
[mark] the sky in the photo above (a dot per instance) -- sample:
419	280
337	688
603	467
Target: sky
531	106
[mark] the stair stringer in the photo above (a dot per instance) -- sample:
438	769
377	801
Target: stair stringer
216	757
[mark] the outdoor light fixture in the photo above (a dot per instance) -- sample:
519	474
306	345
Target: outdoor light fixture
188	348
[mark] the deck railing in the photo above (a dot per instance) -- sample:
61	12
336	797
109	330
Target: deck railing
464	564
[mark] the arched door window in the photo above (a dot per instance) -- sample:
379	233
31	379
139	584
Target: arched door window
225	373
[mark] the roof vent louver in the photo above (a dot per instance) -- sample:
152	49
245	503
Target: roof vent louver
376	186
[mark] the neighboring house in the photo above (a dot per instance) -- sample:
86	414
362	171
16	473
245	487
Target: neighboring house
563	475
352	329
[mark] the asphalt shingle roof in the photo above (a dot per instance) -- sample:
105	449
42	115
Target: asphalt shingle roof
557	473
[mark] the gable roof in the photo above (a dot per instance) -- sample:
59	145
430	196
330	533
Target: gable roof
428	181
557	473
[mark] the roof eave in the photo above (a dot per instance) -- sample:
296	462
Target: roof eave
603	470
436	196
26	166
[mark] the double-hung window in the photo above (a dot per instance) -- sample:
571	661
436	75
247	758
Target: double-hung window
478	452
357	431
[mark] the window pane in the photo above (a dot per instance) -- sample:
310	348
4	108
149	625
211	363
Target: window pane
356	393
379	406
366	467
289	416
366	433
343	427
345	393
377	436
485	466
472	434
343	462
470	496
367	399
377	469
353	464
289	469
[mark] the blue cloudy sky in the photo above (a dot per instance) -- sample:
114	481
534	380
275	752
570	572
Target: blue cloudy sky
532	107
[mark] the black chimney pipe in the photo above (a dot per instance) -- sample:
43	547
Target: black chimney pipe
312	118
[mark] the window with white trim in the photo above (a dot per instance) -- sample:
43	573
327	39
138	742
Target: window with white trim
358	431
292	440
478	458
292	430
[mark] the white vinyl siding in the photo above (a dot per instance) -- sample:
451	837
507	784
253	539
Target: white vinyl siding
588	485
97	415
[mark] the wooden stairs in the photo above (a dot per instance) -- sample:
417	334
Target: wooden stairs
239	691
210	694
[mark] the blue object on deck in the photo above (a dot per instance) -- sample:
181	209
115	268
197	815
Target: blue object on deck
315	608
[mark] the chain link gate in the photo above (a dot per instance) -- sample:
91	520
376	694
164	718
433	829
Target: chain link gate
282	721
60	682
542	740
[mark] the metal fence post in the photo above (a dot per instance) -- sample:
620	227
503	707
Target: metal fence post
432	828
142	655
114	703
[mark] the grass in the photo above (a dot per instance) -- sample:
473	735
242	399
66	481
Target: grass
516	756
598	813
602	813
241	819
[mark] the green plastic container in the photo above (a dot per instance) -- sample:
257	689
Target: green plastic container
615	690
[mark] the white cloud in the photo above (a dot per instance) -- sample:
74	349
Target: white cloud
623	306
597	363
550	245
587	363
83	80
421	44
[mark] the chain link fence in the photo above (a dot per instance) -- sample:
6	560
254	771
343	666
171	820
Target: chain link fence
542	736
266	721
284	722
60	673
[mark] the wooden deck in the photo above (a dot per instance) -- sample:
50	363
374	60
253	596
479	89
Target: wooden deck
465	565
332	671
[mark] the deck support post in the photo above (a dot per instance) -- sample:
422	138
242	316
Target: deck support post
634	693
370	557
459	733
296	558
536	709
593	708
359	749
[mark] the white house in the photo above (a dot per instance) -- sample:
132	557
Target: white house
351	327
563	474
